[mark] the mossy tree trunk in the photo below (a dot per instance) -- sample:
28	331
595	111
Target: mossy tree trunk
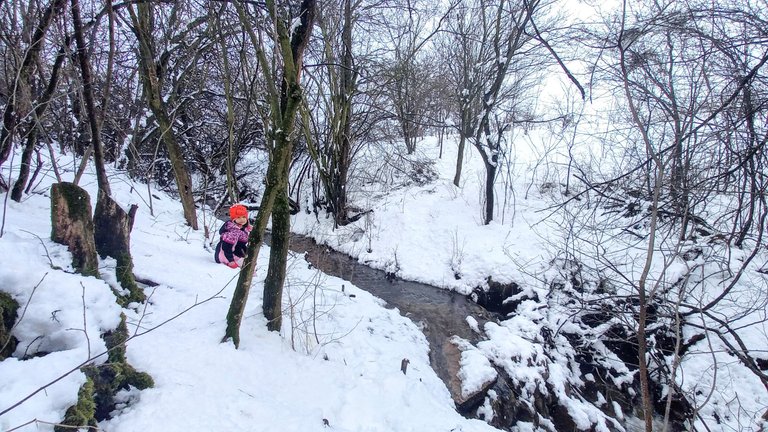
115	374
112	234
96	398
8	312
141	20
284	105
111	223
278	256
71	225
80	415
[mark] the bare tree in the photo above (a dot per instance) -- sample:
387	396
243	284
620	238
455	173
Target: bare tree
142	23
285	98
112	225
330	142
687	90
485	44
406	71
20	81
35	126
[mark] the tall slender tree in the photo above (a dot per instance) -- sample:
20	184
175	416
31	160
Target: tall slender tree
284	100
34	129
485	44
330	138
142	24
112	225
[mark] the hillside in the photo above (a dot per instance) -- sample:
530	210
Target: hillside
336	364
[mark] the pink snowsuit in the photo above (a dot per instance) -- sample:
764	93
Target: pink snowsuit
233	243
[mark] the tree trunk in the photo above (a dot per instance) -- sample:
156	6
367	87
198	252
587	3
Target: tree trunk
284	106
273	284
656	166
111	223
9	311
90	105
460	159
332	159
71	225
642	349
30	58
232	189
490	178
112	235
26	156
148	68
282	154
342	141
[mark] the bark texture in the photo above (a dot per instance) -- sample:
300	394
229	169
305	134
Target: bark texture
72	226
284	104
112	226
8	313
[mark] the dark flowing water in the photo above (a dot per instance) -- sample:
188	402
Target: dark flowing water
440	313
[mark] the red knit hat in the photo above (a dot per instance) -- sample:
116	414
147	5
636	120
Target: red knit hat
238	210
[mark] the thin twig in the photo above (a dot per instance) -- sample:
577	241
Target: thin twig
144	311
47	254
85	322
58	425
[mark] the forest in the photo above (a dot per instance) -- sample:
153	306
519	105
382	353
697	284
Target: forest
646	125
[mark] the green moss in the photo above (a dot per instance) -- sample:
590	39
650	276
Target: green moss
115	341
8	313
124	273
83	412
77	198
76	231
116	374
141	380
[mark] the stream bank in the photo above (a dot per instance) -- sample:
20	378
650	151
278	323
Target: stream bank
440	313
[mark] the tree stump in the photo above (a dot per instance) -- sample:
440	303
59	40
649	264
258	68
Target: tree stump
113	238
72	226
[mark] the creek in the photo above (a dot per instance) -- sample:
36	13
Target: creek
440	313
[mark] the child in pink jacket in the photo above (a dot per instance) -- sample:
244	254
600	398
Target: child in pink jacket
234	237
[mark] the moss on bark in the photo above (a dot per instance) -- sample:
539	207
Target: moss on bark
72	225
96	398
82	413
112	234
8	313
115	374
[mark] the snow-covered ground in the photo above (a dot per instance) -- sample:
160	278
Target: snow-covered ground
336	363
335	366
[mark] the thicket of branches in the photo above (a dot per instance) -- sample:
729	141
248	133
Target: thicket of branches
684	211
186	94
